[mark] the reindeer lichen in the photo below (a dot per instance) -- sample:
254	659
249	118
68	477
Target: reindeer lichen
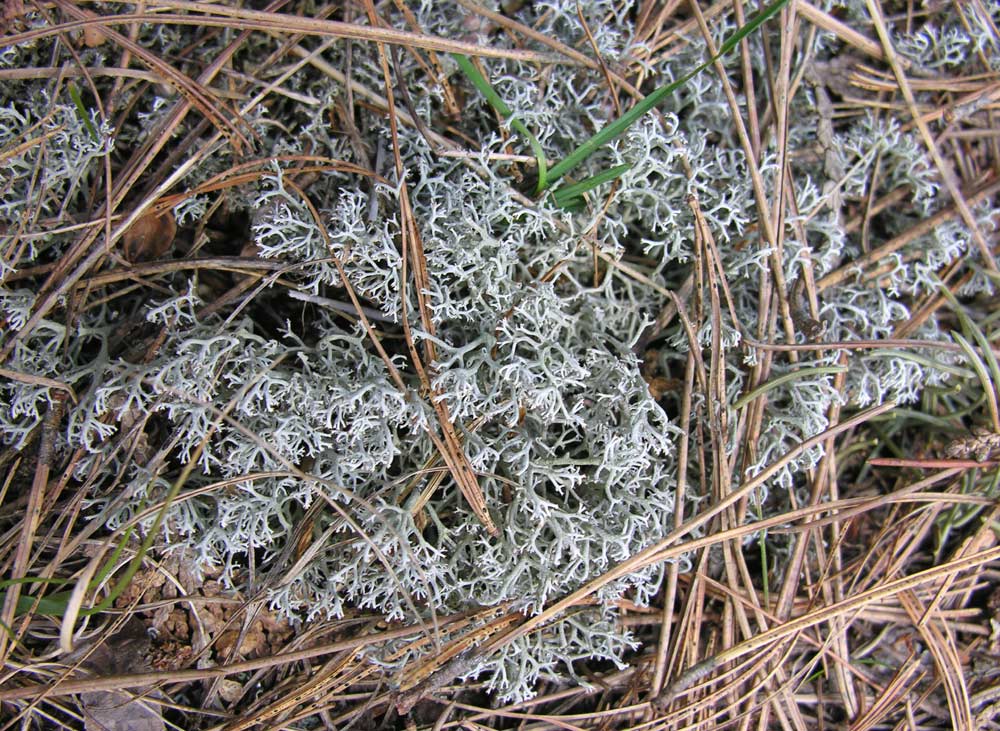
535	343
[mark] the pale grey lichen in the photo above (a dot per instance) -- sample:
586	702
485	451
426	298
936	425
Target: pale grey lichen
534	347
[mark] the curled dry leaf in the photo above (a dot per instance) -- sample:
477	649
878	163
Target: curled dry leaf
150	237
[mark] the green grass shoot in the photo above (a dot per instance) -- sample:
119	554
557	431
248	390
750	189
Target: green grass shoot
572	196
484	87
81	109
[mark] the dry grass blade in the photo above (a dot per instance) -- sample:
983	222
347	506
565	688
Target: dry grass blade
333	677
211	15
198	96
450	446
138	680
827	22
458	658
661	551
858	601
30	522
448	443
944	167
981	193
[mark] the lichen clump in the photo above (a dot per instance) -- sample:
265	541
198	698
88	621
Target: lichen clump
535	336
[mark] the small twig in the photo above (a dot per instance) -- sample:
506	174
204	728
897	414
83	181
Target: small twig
405	94
118	682
461	665
844	32
448	443
212	15
661	703
347	307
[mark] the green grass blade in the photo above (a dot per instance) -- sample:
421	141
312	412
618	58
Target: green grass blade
109	565
30	580
82	110
52	605
982	373
923	360
574	205
973	332
991	361
786	378
490	94
765	579
620	125
147	542
963	317
616	128
567	193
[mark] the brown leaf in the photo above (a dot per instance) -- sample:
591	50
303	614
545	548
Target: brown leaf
150	237
658	386
93	36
